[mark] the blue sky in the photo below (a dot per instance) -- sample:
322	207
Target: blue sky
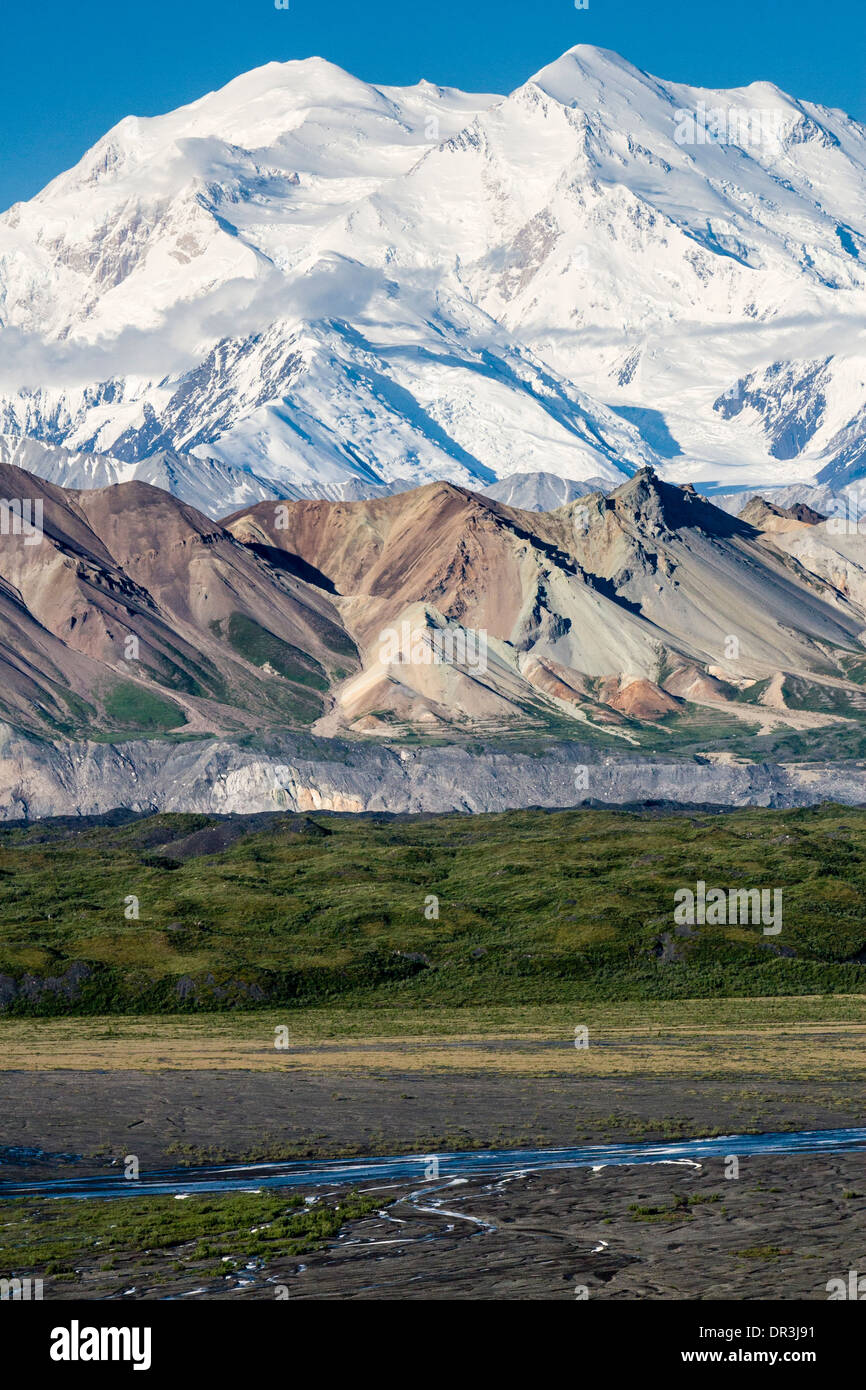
70	71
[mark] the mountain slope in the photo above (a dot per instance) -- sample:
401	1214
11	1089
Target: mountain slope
645	617
156	618
632	607
833	549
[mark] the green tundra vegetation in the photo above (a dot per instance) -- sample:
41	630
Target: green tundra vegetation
210	1235
446	911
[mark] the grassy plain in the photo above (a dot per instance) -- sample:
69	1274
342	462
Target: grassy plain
440	912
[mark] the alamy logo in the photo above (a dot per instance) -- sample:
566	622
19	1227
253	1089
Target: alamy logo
77	1343
846	514
714	907
854	1288
20	1290
425	646
717	125
21	517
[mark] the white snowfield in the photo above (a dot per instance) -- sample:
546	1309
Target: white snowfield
303	283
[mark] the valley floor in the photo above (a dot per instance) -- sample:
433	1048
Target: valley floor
782	1230
80	1095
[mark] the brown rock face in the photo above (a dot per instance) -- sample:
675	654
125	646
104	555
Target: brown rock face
152	617
640	699
127	612
767	516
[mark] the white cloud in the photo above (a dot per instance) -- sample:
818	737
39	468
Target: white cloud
332	288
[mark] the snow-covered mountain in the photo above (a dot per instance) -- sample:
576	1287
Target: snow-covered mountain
303	283
207	484
542	492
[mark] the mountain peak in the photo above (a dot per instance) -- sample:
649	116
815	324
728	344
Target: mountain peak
592	55
567	77
658	506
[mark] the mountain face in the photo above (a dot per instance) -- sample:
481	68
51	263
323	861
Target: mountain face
212	776
831	548
303	283
126	611
123	611
628	613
